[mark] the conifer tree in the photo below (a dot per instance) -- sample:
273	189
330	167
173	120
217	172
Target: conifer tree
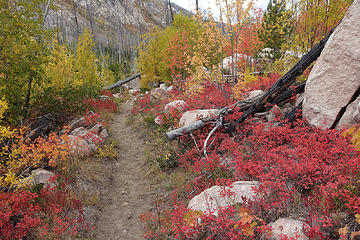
276	27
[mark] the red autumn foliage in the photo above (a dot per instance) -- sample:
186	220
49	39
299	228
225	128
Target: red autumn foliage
49	212
306	171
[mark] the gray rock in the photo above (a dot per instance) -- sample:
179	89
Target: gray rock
254	94
351	115
93	147
287	227
97	128
77	123
170	89
178	105
163	87
77	131
133	92
158	121
193	116
90	137
117	95
79	147
336	74
211	199
273	113
158	93
104	134
41	176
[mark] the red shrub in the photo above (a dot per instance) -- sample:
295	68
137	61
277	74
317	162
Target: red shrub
103	104
48	212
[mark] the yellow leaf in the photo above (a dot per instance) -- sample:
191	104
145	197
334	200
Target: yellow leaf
191	217
343	232
357	217
354	234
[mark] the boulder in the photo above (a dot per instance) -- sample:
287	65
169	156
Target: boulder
90	137
193	116
211	199
266	53
133	92
79	147
254	94
104	133
238	57
77	131
41	176
117	95
170	89
97	128
158	93
351	115
178	105
76	123
273	113
334	80
158	121
163	87
285	227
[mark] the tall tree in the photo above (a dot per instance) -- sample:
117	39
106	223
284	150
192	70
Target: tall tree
23	42
276	27
315	19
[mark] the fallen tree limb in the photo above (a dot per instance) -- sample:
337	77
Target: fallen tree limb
185	129
289	93
119	83
242	105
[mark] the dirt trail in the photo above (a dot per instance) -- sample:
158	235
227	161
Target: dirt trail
130	193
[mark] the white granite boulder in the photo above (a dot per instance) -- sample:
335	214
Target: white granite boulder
193	116
212	198
41	176
178	105
289	228
254	94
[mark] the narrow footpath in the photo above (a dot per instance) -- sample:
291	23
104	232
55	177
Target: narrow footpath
130	193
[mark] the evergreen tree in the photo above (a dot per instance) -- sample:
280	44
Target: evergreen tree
276	27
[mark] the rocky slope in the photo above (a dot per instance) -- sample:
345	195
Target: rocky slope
116	24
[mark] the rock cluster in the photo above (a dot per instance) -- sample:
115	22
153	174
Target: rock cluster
210	200
84	140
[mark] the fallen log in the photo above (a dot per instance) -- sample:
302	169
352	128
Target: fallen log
242	105
276	94
119	83
289	93
185	129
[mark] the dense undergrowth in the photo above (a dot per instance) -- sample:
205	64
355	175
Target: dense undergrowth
304	173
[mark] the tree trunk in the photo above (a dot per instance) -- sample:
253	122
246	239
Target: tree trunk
27	99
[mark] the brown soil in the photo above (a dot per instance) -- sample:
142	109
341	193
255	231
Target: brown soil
130	191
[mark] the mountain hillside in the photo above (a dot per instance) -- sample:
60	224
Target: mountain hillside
116	24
